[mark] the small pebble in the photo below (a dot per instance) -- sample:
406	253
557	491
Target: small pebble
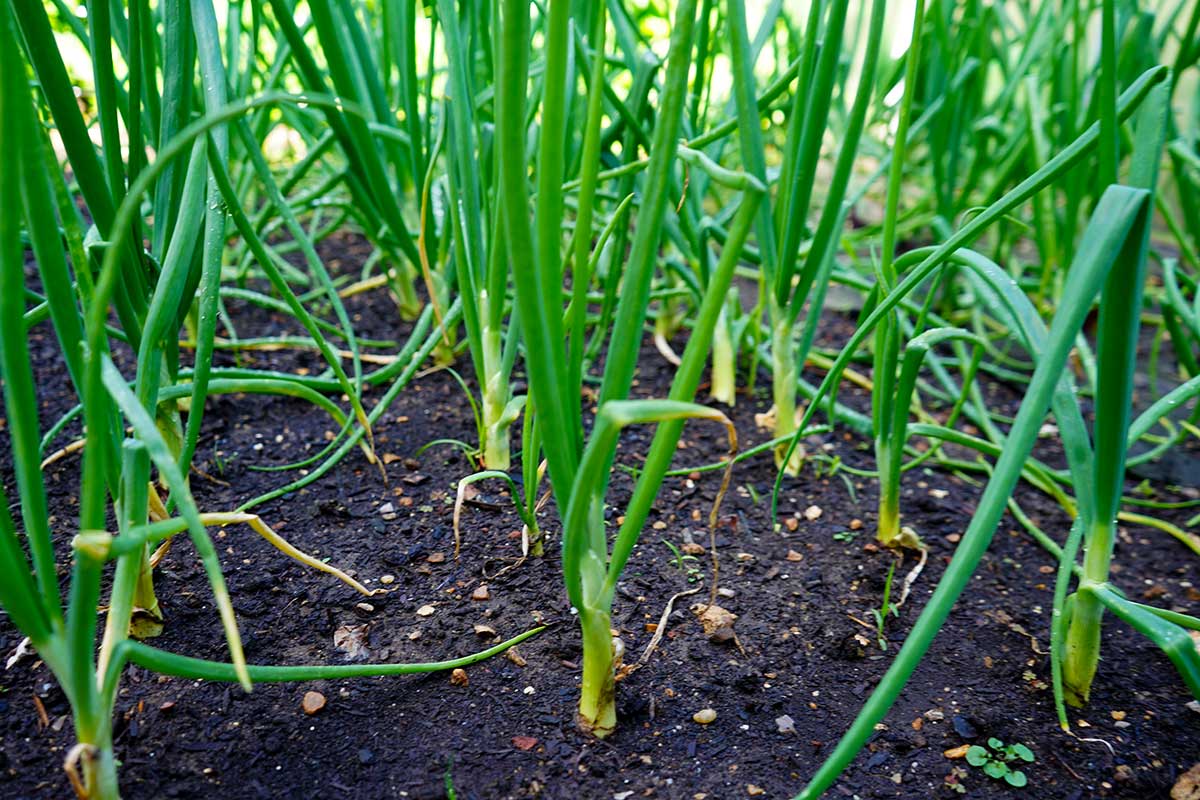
426	611
312	702
813	513
486	631
387	511
705	716
436	558
754	791
387	580
459	677
364	607
794	556
785	724
481	593
963	726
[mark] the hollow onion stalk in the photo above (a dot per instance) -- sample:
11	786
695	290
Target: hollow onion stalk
480	268
885	405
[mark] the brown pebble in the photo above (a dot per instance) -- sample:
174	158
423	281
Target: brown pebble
794	556
312	702
436	558
481	593
459	677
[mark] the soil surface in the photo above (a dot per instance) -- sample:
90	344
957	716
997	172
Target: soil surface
802	586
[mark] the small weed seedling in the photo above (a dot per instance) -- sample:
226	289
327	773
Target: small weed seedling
684	562
1000	760
845	536
885	608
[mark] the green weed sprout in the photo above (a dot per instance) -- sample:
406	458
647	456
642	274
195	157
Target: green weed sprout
999	760
886	608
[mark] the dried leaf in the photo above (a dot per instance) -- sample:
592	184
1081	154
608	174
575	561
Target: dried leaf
352	640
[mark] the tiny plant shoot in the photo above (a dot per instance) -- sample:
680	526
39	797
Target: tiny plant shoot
1001	761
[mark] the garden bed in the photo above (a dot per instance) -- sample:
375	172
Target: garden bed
805	647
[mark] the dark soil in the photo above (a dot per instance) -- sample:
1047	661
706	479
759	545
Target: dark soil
809	652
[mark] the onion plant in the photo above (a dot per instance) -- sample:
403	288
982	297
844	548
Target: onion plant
780	233
1116	235
478	248
153	294
579	474
884	405
1077	621
371	140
